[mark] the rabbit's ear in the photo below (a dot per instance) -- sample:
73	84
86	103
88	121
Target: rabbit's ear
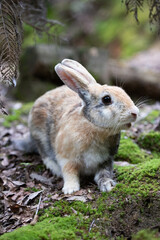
73	79
79	68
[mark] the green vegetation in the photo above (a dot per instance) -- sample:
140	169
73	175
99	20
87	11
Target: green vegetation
151	117
140	180
16	115
32	189
134	38
50	228
150	141
130	151
56	227
107	26
146	235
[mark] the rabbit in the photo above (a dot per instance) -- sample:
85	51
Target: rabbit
76	127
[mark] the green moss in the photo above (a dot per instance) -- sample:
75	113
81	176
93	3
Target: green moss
51	228
61	208
146	235
33	189
130	151
150	141
140	180
16	115
152	116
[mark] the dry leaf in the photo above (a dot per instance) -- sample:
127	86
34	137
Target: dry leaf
32	196
41	178
18	183
77	198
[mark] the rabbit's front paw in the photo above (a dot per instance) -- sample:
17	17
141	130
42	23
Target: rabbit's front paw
106	185
70	188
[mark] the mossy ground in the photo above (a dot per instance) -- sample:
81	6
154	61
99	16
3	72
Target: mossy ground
130	151
150	141
132	206
125	209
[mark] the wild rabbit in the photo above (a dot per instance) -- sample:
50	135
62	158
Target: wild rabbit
76	128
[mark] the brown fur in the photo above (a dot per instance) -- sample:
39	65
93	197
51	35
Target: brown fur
71	168
39	114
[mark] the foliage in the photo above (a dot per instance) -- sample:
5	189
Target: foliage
154	9
10	40
12	13
121	32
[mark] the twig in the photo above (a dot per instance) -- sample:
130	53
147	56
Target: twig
91	225
35	219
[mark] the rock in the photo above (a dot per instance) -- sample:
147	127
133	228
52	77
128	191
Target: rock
139	75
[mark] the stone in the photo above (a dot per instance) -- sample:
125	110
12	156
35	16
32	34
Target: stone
140	74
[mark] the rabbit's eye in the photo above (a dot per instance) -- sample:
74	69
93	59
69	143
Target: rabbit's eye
106	100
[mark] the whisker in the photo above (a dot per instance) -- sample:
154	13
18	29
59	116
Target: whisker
122	84
141	101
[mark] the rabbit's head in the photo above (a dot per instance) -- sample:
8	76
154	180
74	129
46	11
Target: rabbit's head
105	106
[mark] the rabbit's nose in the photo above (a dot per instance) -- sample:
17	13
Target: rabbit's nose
134	115
134	112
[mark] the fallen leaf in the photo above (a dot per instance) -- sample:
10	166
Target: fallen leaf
19	196
9	172
123	163
18	183
77	198
4	158
89	196
32	196
41	178
16	208
81	192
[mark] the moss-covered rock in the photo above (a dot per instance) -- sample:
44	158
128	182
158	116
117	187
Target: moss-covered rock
150	141
130	151
140	180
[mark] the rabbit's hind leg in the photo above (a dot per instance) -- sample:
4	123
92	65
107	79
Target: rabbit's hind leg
47	152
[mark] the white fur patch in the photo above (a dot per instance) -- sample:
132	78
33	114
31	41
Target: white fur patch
94	156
